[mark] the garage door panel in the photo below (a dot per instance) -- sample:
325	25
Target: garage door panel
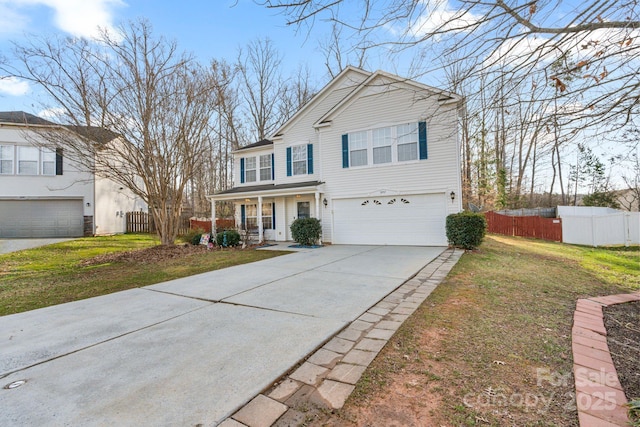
41	218
397	220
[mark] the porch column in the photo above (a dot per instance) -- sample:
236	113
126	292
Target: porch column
318	211
260	230
213	217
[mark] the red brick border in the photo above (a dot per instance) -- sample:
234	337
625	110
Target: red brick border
599	395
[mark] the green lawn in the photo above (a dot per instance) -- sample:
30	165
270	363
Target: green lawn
55	274
482	348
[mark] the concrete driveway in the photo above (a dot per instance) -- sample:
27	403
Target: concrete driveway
189	351
13	245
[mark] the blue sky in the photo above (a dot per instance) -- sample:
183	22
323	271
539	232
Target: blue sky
209	29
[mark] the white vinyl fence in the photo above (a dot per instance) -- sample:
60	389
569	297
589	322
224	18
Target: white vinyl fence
599	226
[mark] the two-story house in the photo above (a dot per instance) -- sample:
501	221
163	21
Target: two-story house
44	193
374	156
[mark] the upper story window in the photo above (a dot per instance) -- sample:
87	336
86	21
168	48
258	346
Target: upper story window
28	160
358	145
407	137
256	168
6	159
48	162
391	144
382	142
250	169
300	159
265	167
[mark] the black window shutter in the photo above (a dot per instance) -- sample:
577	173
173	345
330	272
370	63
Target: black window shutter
58	161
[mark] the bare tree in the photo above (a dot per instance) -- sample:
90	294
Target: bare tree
597	38
261	84
138	87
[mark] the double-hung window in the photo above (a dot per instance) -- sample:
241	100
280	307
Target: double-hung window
28	158
250	169
358	148
48	162
299	159
265	167
267	216
6	159
251	217
382	142
407	139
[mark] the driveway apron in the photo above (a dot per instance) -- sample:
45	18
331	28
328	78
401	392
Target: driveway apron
193	350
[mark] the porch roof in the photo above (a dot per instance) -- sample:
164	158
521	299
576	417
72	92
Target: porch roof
267	190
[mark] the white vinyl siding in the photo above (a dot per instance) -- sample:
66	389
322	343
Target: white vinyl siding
6	159
28	160
265	167
358	149
299	159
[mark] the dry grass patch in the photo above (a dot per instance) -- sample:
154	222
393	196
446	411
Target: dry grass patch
491	345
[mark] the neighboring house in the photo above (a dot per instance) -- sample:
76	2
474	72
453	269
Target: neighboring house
45	194
374	156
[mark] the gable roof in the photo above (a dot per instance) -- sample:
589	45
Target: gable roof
323	92
22	118
443	96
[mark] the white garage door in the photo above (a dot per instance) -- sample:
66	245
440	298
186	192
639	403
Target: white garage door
41	218
391	220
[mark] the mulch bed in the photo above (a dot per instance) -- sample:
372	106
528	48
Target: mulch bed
148	255
622	322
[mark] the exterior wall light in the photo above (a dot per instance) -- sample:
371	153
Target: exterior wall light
324	202
453	196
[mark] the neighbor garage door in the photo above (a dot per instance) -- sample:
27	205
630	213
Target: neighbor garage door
398	220
41	218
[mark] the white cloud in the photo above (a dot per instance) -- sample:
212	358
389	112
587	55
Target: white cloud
80	18
438	16
13	86
51	113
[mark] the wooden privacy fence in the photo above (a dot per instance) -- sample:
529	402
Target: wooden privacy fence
142	222
205	224
525	226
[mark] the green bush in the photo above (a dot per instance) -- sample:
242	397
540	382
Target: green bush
466	229
233	238
306	231
193	236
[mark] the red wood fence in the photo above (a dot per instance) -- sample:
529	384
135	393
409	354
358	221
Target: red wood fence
525	226
221	224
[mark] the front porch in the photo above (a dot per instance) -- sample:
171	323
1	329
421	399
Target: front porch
267	211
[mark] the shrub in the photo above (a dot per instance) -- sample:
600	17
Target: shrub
306	231
466	229
193	236
233	238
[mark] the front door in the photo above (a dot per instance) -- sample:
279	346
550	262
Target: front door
304	210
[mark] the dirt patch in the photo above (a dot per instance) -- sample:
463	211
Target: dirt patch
149	255
623	337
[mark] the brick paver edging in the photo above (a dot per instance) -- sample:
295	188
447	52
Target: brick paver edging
327	377
599	395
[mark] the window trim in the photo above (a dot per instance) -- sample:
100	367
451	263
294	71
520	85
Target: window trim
303	148
269	168
420	143
12	150
19	160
